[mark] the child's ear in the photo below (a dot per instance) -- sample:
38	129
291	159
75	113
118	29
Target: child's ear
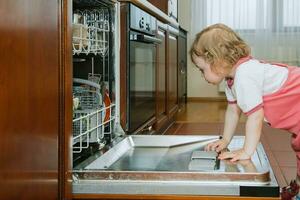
221	67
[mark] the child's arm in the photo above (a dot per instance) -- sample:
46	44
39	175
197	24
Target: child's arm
232	116
253	132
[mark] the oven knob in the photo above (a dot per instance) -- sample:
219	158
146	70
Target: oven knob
141	23
148	27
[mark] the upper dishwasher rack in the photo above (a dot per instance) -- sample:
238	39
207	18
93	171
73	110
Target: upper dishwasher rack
91	31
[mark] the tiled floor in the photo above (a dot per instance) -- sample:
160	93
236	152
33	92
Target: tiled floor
206	118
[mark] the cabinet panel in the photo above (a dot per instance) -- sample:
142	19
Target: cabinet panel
161	82
123	65
169	7
172	74
161	4
182	68
30	79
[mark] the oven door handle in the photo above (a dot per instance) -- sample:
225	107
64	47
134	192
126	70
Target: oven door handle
144	38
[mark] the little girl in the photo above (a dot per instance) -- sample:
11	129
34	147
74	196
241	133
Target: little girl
261	90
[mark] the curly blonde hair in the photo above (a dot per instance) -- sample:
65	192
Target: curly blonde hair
220	47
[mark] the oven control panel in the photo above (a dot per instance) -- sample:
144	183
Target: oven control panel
142	21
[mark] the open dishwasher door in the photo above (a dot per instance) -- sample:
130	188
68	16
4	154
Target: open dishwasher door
174	165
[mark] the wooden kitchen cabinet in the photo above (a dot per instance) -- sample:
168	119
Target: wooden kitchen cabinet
35	100
161	4
167	77
172	74
161	80
182	67
169	7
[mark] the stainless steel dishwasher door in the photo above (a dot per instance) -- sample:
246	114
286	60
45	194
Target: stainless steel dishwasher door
161	165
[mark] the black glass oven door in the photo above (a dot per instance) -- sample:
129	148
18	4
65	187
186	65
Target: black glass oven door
141	83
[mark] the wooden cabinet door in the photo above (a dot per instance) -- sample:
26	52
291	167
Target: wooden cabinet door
32	81
161	4
169	7
182	68
161	81
172	75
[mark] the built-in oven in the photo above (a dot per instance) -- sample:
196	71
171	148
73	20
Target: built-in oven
141	68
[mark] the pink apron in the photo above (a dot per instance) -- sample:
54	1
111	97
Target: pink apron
282	108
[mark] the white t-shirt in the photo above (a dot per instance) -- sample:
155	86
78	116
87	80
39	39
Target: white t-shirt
252	81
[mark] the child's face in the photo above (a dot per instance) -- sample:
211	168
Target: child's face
210	76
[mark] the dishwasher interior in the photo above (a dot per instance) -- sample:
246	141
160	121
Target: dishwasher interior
106	161
94	88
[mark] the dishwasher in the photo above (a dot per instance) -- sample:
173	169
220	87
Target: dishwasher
174	165
107	161
94	47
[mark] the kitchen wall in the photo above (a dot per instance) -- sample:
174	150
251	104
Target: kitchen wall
196	85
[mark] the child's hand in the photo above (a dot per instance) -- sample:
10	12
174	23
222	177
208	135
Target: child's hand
235	155
217	146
